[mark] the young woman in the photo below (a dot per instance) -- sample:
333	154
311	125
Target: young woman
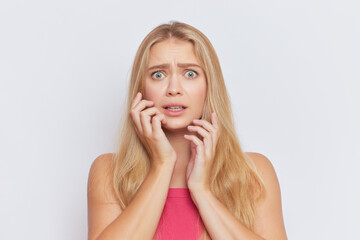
179	172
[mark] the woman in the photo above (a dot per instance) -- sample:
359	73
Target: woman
179	171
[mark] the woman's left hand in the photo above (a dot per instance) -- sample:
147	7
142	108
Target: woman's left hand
202	153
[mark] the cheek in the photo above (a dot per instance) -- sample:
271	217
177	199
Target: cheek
150	92
200	93
198	96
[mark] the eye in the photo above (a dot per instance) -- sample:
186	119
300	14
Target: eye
156	75
192	74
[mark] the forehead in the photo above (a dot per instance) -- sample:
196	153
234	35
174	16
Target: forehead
172	50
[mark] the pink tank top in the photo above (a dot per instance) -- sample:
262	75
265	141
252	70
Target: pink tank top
180	218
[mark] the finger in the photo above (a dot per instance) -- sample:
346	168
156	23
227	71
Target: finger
135	113
197	142
213	129
136	99
156	124
207	137
158	118
150	111
142	105
200	130
205	124
145	119
136	120
214	120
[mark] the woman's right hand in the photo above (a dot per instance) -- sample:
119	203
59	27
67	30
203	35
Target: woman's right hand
148	128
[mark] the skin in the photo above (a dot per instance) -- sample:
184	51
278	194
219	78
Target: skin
185	85
187	146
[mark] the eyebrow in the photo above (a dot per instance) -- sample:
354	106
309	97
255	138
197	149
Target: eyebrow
182	65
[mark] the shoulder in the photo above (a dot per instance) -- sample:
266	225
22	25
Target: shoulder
100	179
103	205
101	167
268	221
262	164
266	171
102	162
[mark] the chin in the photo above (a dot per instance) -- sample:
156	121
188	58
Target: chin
176	124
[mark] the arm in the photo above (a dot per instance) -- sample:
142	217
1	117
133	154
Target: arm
221	224
139	220
219	221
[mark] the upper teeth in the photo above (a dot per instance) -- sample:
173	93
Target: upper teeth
175	108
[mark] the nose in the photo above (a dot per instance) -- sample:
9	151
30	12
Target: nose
174	87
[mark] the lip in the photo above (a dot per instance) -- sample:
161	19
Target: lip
174	113
174	104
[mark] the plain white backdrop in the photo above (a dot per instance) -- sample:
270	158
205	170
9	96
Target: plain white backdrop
291	69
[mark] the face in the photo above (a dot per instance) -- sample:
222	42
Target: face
174	77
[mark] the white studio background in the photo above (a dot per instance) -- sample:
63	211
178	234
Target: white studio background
292	72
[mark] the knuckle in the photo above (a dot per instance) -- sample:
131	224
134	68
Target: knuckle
207	152
143	114
144	101
156	137
147	135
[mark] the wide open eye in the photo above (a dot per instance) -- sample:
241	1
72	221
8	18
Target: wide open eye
192	74
157	75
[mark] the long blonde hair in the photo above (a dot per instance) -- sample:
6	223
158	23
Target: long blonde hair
234	179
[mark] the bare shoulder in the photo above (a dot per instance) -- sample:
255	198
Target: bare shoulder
103	205
266	170
100	179
262	164
268	221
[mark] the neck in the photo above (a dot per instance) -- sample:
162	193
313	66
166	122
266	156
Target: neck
182	149
179	143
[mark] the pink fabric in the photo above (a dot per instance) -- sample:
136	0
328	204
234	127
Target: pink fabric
180	219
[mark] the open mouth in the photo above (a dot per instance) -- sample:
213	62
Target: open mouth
175	108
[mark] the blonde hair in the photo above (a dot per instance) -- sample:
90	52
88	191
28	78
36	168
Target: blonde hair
234	178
